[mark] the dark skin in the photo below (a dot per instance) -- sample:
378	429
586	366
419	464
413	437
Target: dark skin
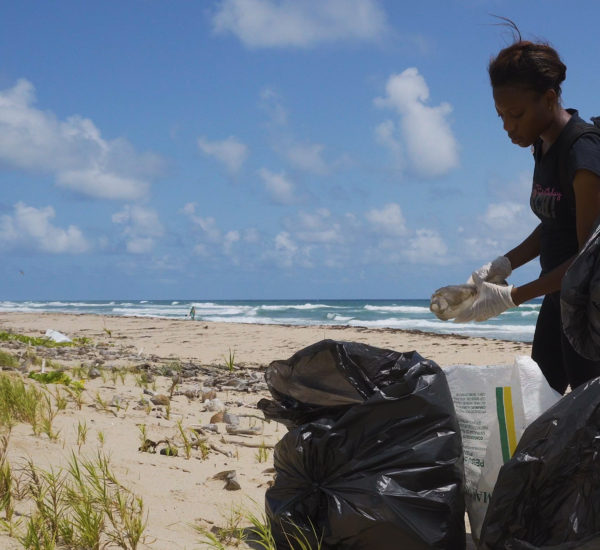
527	115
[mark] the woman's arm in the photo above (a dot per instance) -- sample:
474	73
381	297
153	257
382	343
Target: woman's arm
526	251
587	203
546	284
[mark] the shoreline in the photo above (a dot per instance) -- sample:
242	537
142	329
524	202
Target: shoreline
209	341
514	326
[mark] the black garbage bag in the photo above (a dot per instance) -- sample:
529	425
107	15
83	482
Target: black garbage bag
373	458
548	495
580	299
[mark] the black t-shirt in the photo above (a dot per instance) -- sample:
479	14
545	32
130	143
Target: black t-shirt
550	203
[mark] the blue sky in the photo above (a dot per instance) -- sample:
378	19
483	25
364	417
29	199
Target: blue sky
264	148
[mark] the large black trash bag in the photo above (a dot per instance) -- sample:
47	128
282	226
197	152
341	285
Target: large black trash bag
580	299
547	497
373	458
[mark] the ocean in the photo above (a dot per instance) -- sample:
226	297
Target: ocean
516	324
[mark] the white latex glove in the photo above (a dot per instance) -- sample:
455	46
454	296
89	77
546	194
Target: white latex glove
491	301
495	271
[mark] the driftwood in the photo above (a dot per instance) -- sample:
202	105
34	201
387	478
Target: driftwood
247	444
215	447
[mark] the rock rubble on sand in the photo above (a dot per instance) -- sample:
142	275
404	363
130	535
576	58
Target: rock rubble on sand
222	397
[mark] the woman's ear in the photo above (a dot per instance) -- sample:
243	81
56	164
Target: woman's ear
550	99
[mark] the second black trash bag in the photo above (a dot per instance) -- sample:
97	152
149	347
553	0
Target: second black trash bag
547	497
373	459
580	299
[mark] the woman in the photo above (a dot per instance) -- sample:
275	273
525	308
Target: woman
526	81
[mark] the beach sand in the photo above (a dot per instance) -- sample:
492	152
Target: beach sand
177	491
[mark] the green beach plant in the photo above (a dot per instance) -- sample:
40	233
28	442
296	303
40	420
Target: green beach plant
76	393
203	447
51	377
19	402
187	443
104	375
262	454
8	359
82	430
60	400
43	342
79	372
103	405
143	435
47	418
230	361
8	490
114	376
260	531
82	507
243	525
231	534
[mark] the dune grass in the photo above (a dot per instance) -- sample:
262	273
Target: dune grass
45	342
240	525
79	507
82	506
8	359
19	402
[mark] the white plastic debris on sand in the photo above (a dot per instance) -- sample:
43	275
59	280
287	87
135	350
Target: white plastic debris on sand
56	336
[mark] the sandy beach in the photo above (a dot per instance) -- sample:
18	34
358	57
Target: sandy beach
179	492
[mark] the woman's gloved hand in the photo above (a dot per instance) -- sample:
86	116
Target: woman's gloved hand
496	271
491	301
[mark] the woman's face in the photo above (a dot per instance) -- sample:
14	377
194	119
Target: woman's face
525	113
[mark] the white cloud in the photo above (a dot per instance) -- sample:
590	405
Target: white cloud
279	187
481	248
73	150
498	229
430	145
385	134
427	247
141	228
270	102
208	224
307	157
316	228
388	220
251	235
508	221
31	227
96	183
304	156
214	240
503	216
285	248
230	238
289	23
201	250
189	208
285	252
231	152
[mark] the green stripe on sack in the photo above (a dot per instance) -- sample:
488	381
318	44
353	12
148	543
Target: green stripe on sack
502	424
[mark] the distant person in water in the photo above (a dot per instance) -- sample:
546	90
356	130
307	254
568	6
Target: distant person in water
192	313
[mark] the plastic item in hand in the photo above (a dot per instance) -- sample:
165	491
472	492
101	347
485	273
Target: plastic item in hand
449	301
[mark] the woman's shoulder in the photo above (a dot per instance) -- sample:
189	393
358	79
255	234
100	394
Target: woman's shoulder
585	153
588	143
